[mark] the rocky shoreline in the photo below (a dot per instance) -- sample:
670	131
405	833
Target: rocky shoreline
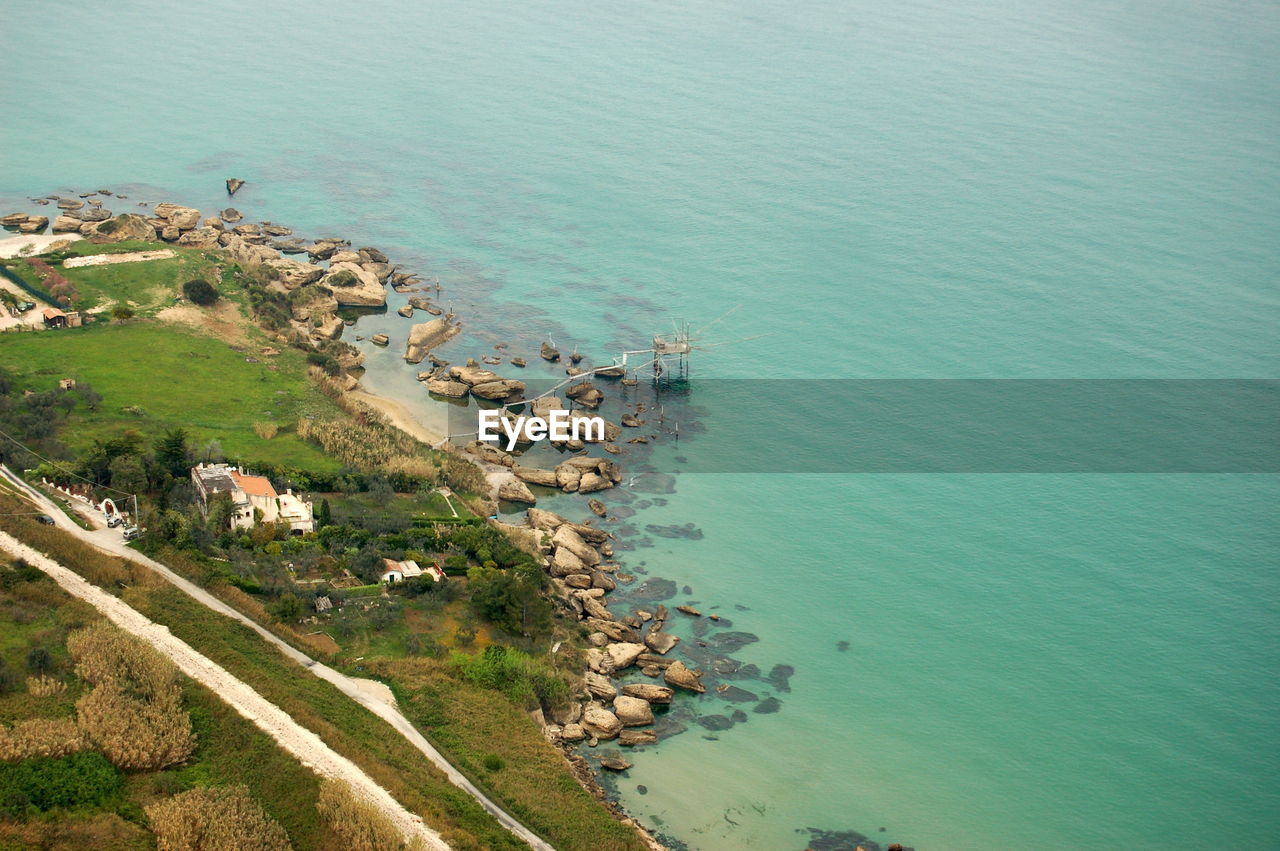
630	688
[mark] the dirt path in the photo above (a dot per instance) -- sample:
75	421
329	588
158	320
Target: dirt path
112	259
110	541
310	750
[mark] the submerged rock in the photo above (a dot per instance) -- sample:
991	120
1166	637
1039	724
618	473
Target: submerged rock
780	677
715	723
680	676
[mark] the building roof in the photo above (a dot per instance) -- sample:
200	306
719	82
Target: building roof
404	568
52	313
253	485
216	478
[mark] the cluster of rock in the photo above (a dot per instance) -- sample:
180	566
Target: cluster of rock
24	223
605	709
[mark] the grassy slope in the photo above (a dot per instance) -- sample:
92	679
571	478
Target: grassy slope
229	750
179	378
145	286
403	508
344	725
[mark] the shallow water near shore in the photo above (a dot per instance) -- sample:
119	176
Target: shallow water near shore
961	190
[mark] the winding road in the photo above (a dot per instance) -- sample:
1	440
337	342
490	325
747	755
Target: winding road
370	694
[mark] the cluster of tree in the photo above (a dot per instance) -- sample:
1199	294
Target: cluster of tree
33	419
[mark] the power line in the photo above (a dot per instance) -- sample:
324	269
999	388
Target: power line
55	464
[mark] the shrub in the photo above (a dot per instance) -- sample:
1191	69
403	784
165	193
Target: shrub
109	227
77	780
493	762
215	819
200	292
120	313
41	737
359	824
38	660
45	686
265	430
144	735
134	714
343	278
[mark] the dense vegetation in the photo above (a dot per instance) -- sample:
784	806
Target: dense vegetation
479	637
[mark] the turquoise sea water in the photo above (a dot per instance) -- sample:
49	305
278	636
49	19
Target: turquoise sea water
889	190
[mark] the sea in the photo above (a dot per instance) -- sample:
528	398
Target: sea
1011	655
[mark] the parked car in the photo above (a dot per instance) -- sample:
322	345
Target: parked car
114	520
45	519
130	532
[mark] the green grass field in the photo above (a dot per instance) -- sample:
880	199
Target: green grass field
467	722
146	286
177	377
402	509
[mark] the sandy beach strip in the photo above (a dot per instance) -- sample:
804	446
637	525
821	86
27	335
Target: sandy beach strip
398	415
14	246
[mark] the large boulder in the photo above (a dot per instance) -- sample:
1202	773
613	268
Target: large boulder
90	214
567	477
599	686
444	387
681	676
585	393
660	642
514	490
573	733
66	224
294	274
652	692
631	738
590	482
632	711
244	252
536	476
547	521
182	218
624	654
426	336
564	563
600	722
200	238
503	390
568	538
490	453
125	226
472	375
352	286
34	224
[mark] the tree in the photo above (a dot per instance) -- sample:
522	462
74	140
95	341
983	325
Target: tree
127	474
200	292
511	599
38	660
324	517
173	453
286	608
120	313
